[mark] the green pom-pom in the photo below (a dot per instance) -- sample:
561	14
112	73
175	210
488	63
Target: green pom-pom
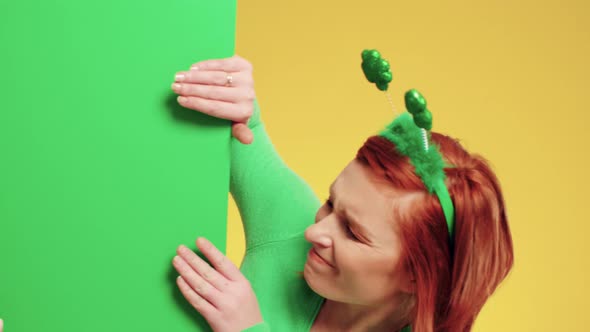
371	54
387	76
423	120
376	69
384	65
416	105
415	102
382	86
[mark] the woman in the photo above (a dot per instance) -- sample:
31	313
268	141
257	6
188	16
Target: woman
376	256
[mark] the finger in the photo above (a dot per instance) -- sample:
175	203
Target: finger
199	303
242	132
233	64
203	268
216	108
229	94
219	261
219	78
1	325
196	282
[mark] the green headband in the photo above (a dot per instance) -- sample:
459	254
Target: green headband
410	134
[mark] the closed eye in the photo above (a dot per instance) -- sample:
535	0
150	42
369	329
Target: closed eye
348	229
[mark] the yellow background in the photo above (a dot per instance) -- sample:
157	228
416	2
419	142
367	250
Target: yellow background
509	78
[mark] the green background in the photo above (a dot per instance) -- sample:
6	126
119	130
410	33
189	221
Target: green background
102	174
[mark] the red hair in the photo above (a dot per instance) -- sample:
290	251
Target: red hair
453	279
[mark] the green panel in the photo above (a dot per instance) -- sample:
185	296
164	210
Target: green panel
102	174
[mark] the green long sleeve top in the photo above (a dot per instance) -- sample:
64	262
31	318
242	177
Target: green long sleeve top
276	207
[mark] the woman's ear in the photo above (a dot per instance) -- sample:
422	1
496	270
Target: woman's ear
408	285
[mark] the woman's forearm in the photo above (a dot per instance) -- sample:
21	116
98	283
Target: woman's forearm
265	188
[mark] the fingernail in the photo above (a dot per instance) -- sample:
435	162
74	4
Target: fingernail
179	77
194	67
182	100
204	242
176	87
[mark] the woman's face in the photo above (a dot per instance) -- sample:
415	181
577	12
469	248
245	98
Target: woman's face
355	235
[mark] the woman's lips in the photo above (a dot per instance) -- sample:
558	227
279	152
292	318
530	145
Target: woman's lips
315	256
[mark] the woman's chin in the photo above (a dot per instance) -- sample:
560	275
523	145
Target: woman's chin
307	275
311	280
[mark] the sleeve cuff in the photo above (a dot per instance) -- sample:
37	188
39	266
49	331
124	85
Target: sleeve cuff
255	119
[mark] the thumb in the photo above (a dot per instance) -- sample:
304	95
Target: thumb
241	131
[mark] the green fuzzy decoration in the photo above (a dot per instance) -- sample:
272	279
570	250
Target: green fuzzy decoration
416	105
407	138
376	69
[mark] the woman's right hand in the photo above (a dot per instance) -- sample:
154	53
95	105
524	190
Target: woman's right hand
223	88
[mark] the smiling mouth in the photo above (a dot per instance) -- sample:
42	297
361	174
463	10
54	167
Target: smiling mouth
315	256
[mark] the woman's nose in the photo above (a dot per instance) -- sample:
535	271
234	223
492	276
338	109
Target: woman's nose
318	235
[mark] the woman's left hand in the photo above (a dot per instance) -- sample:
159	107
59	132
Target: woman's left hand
220	293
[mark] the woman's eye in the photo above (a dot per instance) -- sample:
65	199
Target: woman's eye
348	230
